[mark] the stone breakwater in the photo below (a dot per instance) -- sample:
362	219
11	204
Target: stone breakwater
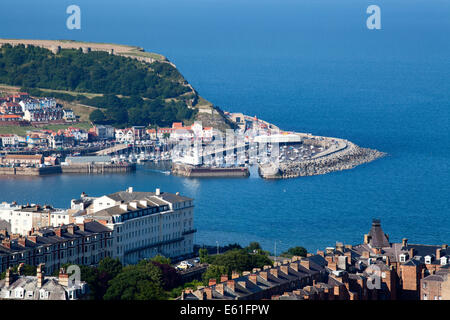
345	159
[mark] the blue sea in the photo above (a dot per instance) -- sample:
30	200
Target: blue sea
304	65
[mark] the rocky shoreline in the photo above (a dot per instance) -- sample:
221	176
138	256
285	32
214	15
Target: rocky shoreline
345	159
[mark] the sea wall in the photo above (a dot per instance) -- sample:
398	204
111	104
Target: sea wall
345	159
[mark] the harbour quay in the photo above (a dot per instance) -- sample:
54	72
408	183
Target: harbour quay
187	170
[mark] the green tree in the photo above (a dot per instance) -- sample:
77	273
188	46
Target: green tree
254	247
110	266
161	259
295	251
203	255
97	116
27	270
138	282
240	260
214	272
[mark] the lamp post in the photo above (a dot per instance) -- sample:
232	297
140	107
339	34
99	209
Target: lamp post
275	249
217	242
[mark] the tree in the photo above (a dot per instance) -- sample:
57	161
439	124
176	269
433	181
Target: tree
295	251
240	260
97	116
254	247
110	266
27	270
214	272
136	282
161	259
203	254
170	278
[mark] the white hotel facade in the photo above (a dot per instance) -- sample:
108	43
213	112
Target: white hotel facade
145	224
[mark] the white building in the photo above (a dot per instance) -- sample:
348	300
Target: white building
24	218
145	224
30	104
10	140
68	115
124	135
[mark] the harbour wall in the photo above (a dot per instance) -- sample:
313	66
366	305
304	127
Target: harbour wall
19	171
198	172
98	168
84	168
345	159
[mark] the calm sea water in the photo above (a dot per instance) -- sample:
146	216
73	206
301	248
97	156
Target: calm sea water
310	66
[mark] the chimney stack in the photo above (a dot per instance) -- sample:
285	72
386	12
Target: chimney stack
366	239
274	272
71	229
231	284
21	241
58	231
208	292
8	278
438	253
212	282
219	288
63	277
305	263
264	275
40	275
294	266
253	278
284	269
223	278
404	242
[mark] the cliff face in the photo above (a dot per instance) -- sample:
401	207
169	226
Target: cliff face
213	117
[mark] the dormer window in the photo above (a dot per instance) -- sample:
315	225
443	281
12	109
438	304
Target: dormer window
444	261
427	259
402	257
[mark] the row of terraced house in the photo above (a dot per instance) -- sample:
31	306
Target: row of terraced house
374	270
22	107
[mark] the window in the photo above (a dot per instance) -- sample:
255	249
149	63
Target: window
425	297
424	285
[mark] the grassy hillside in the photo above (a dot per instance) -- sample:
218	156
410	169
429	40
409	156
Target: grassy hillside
129	92
129	87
